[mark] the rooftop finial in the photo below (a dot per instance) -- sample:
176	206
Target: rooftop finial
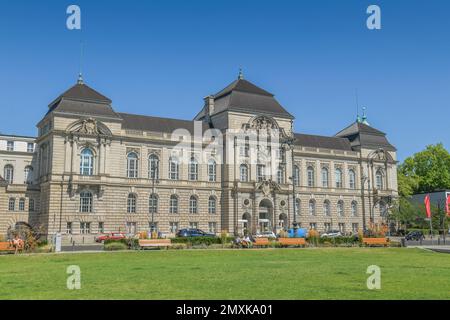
80	78
241	74
364	116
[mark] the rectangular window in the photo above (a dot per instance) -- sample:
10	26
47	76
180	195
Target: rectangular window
260	172
10	146
173	226
327	226
69	228
101	227
212	227
85	227
342	227
31	204
355	228
313	225
30	147
193	225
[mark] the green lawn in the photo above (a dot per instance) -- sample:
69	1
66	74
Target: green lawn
328	273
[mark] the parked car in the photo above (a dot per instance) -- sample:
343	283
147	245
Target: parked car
266	234
415	235
194	233
110	236
331	234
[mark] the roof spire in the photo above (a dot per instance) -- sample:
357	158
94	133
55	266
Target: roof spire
241	74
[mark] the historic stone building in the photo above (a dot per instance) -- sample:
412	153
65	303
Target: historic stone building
235	167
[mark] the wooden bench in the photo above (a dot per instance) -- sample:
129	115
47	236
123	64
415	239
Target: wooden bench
6	247
285	242
261	242
375	241
154	243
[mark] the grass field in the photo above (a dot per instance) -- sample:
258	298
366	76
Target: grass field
334	273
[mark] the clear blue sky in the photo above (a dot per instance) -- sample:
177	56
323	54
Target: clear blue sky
162	57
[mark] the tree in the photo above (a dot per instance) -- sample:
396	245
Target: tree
425	171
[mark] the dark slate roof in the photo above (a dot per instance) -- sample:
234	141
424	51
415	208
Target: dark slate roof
82	92
313	141
156	124
243	96
83	100
363	135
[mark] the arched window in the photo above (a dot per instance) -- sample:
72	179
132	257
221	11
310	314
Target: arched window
131	203
310	173
244	172
132	165
351	179
153	203
379	179
212	205
326	208
211	170
312	207
280	175
325	177
297	176
28	175
12	204
193	169
340	208
354	209
86	162
173	168
85	201
173	204
193	205
21	204
338	177
9	173
153	167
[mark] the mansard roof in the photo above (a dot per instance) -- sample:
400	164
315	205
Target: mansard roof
243	96
157	124
83	100
314	141
365	136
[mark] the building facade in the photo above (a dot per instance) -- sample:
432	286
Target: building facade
237	167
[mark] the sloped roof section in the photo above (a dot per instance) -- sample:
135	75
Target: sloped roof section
82	92
314	141
83	100
365	136
157	124
243	96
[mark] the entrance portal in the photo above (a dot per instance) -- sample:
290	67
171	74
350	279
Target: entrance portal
265	216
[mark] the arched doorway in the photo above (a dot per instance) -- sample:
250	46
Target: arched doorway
245	224
282	221
265	216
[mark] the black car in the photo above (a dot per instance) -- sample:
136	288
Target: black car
194	233
415	235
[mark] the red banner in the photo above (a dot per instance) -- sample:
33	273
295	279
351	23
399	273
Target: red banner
427	205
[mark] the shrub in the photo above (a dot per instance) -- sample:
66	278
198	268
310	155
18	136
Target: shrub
178	246
113	246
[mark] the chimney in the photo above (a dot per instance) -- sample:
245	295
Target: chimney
209	103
